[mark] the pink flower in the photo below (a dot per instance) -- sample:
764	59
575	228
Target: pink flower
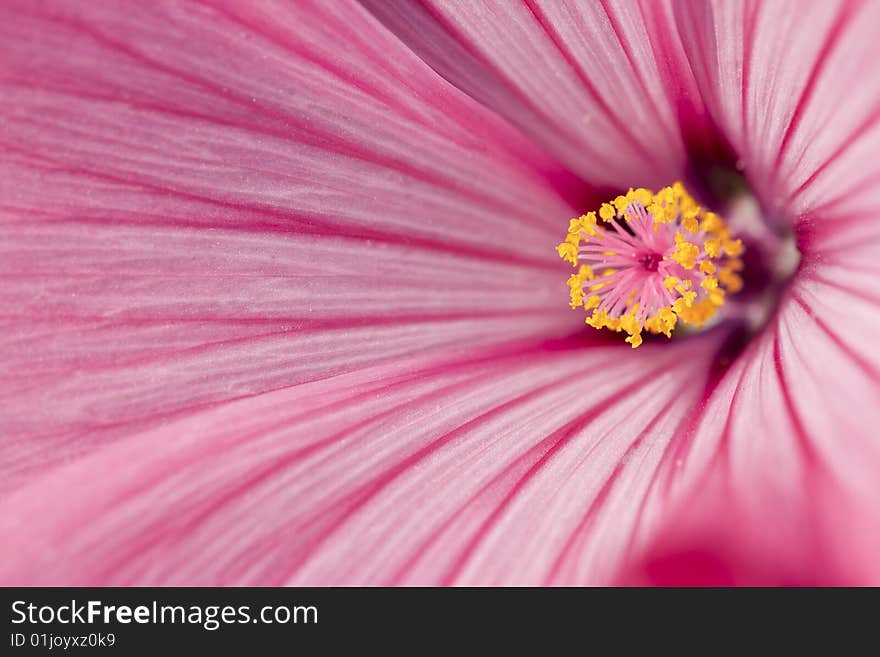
281	302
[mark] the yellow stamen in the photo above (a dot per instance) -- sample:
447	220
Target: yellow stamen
686	254
713	247
696	272
607	212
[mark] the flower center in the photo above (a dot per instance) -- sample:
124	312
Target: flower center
651	261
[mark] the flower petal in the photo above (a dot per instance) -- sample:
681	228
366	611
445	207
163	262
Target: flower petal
401	473
779	481
205	203
604	86
775	76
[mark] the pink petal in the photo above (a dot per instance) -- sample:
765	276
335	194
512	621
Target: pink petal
778	482
297	289
713	540
401	473
203	204
792	86
604	86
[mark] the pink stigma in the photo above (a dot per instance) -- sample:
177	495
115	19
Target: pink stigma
650	261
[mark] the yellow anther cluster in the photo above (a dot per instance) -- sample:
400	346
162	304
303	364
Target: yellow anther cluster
585	225
686	253
703	257
576	285
729	277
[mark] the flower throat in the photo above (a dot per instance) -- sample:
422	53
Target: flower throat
650	261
